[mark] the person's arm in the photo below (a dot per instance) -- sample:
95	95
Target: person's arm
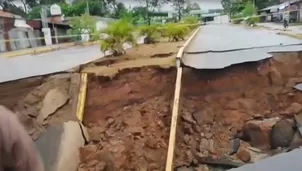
18	144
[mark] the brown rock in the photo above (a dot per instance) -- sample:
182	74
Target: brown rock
92	163
243	103
189	156
95	133
257	116
211	146
282	134
243	155
187	139
208	135
136	131
256	154
234	118
110	122
188	129
100	166
153	166
202	168
275	76
293	81
203	145
82	169
204	117
196	128
187	117
293	109
151	143
259	132
88	152
54	99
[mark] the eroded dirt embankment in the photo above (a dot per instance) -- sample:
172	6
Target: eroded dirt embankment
43	100
128	118
216	106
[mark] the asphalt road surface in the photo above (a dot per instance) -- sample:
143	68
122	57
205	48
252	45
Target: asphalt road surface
47	63
218	46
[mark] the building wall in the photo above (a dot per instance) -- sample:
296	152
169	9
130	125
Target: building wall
300	12
2	43
8	25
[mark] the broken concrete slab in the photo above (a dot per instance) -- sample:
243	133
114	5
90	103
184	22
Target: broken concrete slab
59	146
298	87
54	99
296	142
285	161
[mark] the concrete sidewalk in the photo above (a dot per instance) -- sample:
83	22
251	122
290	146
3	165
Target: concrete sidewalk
293	31
46	63
42	49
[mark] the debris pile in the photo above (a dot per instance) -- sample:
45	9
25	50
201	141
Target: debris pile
128	119
42	100
238	115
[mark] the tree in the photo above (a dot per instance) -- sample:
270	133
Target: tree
8	5
192	6
96	8
50	2
226	4
232	7
249	9
151	5
150	32
175	32
140	12
179	7
119	11
35	12
85	24
260	4
117	34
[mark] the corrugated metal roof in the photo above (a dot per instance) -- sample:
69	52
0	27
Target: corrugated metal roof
280	6
6	14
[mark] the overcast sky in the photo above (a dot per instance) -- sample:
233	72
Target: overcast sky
204	4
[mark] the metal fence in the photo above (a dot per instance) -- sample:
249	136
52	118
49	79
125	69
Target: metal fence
23	38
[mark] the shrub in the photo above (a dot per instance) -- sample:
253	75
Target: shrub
151	33
85	24
237	19
193	21
175	32
116	35
252	21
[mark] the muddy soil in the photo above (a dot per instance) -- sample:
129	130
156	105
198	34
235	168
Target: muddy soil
40	101
162	54
215	104
128	117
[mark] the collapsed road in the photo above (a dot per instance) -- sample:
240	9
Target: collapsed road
238	101
219	46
